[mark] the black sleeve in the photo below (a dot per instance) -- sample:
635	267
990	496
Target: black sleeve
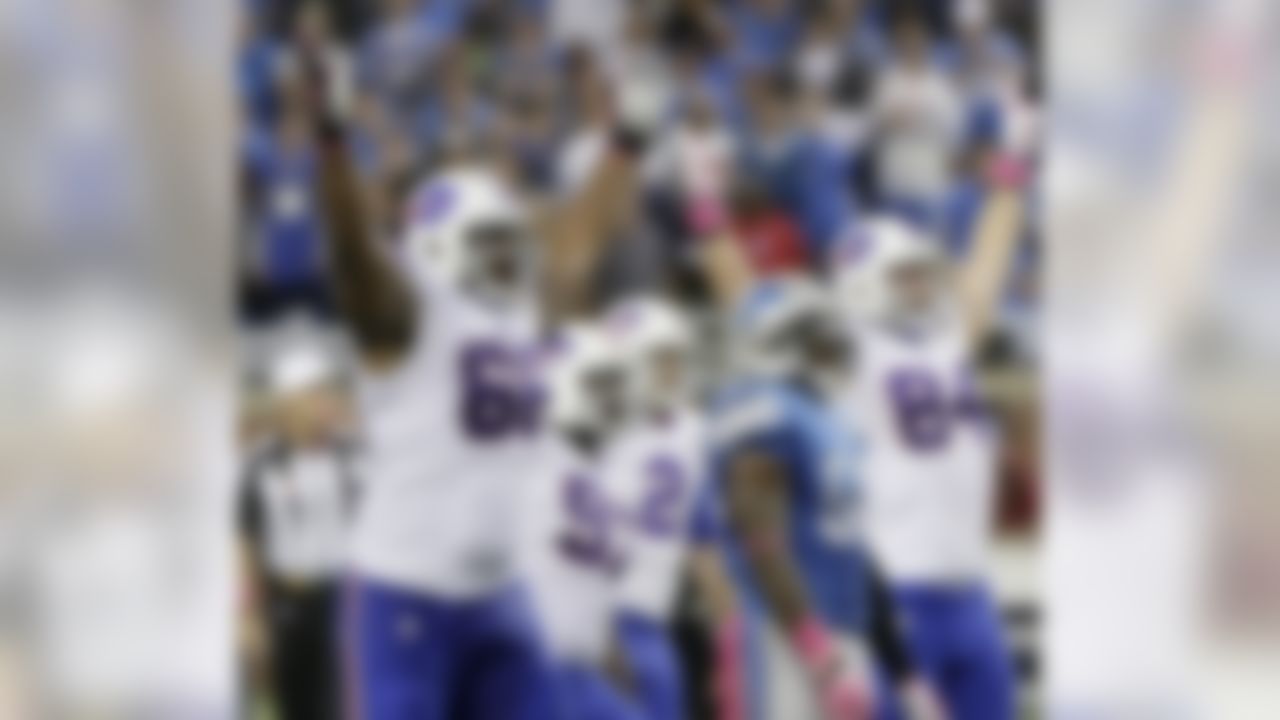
249	512
886	635
347	455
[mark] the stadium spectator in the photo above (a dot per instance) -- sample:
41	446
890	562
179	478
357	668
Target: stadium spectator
769	236
765	32
595	24
455	102
800	168
697	156
286	253
406	37
256	69
917	116
822	51
528	59
312	40
529	134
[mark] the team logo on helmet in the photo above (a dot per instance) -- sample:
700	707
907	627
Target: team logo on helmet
432	204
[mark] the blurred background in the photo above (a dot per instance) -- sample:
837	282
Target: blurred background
162	295
809	115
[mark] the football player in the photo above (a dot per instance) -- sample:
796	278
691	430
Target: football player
447	324
789	469
576	552
660	471
931	448
788	466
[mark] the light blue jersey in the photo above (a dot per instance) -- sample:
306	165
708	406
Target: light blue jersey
820	458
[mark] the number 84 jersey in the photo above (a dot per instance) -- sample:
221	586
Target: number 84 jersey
930	454
451	436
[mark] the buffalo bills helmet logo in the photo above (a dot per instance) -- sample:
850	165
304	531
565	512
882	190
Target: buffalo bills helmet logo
432	204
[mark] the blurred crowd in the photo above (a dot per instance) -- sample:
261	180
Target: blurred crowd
806	114
1159	434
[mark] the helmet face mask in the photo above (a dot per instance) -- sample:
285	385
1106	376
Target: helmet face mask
590	384
499	262
665	380
793	332
656	338
915	290
821	355
605	391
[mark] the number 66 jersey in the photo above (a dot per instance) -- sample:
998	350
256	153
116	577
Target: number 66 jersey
930	470
451	434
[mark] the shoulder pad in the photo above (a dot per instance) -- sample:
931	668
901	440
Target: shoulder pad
743	417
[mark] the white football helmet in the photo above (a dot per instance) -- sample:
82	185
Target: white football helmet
869	260
790	329
587	379
469	228
658	342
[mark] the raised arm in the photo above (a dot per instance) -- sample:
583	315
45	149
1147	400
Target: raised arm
374	298
983	276
726	265
575	230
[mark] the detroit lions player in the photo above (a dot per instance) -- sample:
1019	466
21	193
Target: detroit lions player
576	552
930	464
447	323
660	473
789	471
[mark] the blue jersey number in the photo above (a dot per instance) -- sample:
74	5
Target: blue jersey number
497	399
924	412
586	540
660	511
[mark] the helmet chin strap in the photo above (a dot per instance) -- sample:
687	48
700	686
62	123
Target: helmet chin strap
498	296
913	323
823	384
828	383
664	399
494	297
587	439
663	406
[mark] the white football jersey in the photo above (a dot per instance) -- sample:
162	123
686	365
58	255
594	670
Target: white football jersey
930	472
451	435
572	553
658	472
